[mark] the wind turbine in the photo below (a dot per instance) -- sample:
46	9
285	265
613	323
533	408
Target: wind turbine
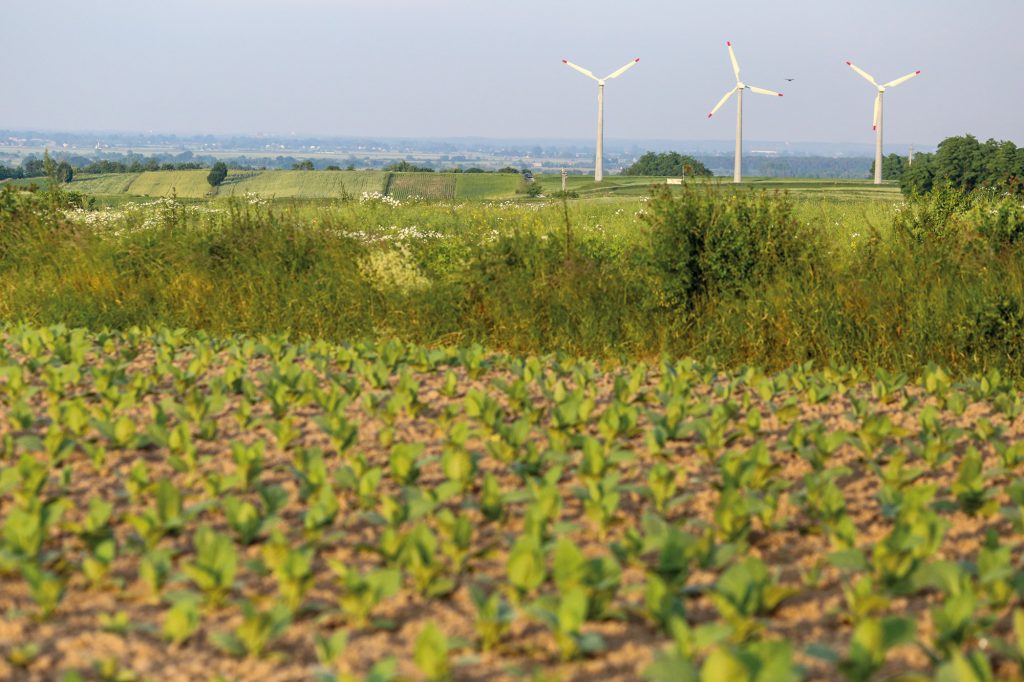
737	173
599	166
877	125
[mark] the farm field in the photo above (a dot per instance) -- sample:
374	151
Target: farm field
470	186
305	184
190	184
435	186
177	506
431	186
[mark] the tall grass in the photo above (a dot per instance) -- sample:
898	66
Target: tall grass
745	278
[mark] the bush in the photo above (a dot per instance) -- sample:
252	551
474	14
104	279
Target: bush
937	215
1000	221
704	242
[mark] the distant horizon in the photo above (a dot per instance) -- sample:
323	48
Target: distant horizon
578	141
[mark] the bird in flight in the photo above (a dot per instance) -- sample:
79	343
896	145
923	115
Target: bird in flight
790	79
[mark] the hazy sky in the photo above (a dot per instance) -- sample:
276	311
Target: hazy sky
452	68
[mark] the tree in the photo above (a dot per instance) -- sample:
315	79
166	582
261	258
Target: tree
668	164
306	165
32	167
918	177
217	174
964	163
65	172
406	167
893	166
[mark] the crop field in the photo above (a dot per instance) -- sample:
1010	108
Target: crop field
306	184
475	186
626	185
431	186
392	438
191	184
435	186
177	506
110	183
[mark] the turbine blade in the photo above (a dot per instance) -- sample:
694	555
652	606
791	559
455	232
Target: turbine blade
878	107
585	72
722	101
862	72
624	69
762	91
893	84
735	64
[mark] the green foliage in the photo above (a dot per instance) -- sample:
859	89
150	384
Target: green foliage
431	654
215	565
964	162
360	592
493	617
182	620
872	639
258	630
217	174
564	614
292	568
668	164
747	590
565	493
756	662
704	243
893	166
407	167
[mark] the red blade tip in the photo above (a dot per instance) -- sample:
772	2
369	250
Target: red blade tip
728	43
849	63
638	59
917	72
565	61
710	115
780	94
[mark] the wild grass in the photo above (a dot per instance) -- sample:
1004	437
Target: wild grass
877	285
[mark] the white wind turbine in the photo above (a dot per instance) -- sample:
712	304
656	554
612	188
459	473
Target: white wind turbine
737	173
599	167
877	125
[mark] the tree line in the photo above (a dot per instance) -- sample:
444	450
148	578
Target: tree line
961	162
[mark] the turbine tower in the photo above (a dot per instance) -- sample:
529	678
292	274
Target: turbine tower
877	125
737	173
599	166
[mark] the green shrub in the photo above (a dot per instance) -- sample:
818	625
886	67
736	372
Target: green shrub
707	243
937	215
